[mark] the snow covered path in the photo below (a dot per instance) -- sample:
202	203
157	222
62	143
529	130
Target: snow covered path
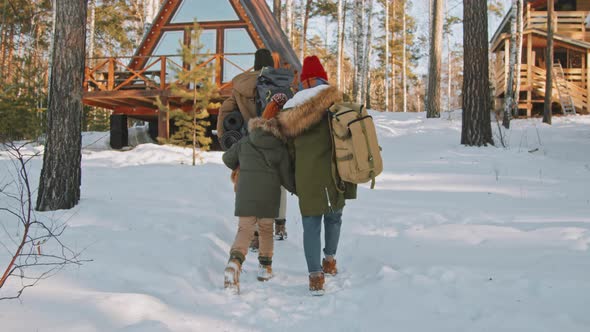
452	239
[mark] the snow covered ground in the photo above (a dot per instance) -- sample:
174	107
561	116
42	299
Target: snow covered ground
453	238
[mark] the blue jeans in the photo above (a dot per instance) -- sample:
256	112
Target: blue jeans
312	242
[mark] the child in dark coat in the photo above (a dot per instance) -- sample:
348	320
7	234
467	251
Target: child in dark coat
264	165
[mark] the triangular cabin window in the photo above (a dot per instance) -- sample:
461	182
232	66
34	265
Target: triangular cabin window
169	45
237	41
234	42
204	11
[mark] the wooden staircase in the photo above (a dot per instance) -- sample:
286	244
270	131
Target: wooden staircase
565	99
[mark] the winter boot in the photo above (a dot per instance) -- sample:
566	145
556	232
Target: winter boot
264	268
280	229
231	276
255	243
329	265
316	283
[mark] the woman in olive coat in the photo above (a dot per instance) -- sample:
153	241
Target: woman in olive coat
304	120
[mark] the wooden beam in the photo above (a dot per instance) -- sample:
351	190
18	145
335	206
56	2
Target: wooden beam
529	74
250	27
164	121
213	25
587	81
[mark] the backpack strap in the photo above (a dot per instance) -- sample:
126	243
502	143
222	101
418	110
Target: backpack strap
335	177
371	160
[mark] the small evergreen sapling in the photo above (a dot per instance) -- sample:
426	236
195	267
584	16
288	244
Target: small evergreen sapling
195	84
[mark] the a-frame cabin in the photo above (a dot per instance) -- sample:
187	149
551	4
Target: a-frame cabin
232	30
571	61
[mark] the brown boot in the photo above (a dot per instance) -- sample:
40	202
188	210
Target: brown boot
264	272
329	266
316	283
255	243
231	275
264	268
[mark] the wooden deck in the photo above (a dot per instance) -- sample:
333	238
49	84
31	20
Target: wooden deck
111	83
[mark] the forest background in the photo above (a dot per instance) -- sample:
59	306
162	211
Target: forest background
392	78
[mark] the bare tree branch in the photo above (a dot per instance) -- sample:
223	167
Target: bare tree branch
29	262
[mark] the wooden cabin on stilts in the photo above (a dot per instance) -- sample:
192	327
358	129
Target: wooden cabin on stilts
232	30
571	62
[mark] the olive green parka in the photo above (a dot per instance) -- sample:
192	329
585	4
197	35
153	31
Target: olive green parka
265	165
304	121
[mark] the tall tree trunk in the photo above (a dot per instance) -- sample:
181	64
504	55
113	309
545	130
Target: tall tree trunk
386	81
92	4
289	21
276	10
393	70
367	53
368	97
520	27
547	113
340	44
8	56
476	125
449	72
509	95
305	24
404	55
449	59
59	185
151	10
433	98
358	48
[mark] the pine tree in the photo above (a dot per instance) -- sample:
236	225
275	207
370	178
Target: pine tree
394	66
509	95
194	85
59	185
547	112
434	59
476	127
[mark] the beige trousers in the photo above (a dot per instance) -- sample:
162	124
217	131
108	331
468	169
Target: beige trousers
246	228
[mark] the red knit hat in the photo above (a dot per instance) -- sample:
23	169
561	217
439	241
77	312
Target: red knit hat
312	67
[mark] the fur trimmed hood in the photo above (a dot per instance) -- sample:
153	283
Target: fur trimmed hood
270	126
296	120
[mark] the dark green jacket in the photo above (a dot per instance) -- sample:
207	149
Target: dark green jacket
265	165
306	124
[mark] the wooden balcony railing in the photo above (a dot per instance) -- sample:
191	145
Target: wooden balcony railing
568	23
574	77
114	73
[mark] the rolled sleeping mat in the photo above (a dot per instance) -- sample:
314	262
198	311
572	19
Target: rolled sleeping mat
233	121
229	138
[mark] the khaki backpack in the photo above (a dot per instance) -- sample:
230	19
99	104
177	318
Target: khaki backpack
356	150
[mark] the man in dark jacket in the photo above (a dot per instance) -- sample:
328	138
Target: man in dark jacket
321	194
265	166
243	96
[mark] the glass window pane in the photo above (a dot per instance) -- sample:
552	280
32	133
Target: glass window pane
209	41
237	41
204	11
169	44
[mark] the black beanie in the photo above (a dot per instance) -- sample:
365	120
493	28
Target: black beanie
263	58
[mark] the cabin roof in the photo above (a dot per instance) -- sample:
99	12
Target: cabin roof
255	14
